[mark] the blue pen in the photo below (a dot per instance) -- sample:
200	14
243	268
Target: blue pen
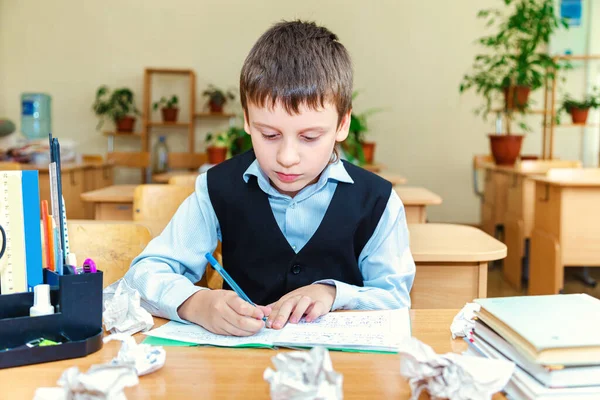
229	280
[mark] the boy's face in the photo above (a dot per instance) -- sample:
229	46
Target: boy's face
293	150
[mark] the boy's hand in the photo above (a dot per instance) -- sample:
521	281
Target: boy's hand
223	312
312	301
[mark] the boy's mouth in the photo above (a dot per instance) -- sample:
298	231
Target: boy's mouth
287	177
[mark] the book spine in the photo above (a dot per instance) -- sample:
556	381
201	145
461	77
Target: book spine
31	220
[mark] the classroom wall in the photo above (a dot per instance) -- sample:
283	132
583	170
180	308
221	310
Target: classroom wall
409	57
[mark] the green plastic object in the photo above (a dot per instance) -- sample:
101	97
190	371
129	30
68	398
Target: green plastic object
6	127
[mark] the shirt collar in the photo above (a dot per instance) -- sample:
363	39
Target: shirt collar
335	172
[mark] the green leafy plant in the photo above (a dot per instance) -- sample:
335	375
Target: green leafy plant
592	100
516	54
217	96
114	106
240	141
219	139
172	102
357	133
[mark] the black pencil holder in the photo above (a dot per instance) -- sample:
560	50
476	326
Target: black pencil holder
76	323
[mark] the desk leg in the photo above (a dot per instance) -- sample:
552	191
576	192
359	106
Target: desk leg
514	238
546	273
415	214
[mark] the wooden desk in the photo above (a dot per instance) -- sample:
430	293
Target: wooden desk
112	202
218	373
164	177
77	178
395	179
415	200
519	216
451	264
566	229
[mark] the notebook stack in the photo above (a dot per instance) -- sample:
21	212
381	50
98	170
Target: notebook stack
554	342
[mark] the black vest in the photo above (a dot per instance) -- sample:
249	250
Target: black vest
256	253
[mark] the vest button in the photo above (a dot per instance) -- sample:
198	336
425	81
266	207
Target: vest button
296	269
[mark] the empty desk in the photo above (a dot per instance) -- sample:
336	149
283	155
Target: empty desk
452	262
112	202
415	200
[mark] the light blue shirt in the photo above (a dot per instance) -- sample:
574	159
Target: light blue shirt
165	272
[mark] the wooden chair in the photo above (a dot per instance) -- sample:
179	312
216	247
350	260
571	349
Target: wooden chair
92	158
9	166
112	245
139	159
156	204
186	160
184	180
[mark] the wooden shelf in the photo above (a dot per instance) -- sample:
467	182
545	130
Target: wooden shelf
136	135
172	71
589	125
170	124
501	110
213	115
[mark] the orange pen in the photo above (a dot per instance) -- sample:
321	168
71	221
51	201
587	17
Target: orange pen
49	236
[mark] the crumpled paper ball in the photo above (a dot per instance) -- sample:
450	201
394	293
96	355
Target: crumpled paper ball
304	375
100	382
452	376
463	323
122	310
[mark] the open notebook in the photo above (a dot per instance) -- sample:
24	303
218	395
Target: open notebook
358	331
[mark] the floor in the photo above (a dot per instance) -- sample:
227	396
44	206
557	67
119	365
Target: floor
498	287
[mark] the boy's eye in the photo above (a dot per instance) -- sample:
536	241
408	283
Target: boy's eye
270	136
310	138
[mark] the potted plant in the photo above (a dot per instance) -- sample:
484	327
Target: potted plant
117	106
239	140
515	62
217	98
168	109
356	147
217	146
579	109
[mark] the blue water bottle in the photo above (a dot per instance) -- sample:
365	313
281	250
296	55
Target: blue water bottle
35	115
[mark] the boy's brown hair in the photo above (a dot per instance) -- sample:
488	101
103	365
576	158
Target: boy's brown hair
297	63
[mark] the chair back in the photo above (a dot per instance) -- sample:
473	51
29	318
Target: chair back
112	245
155	204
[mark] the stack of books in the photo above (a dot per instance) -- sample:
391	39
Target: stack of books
554	342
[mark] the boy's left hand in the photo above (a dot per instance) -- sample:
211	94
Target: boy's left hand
312	301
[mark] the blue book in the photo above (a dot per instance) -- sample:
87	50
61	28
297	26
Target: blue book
31	221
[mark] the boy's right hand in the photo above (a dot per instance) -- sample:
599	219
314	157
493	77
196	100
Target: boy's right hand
223	312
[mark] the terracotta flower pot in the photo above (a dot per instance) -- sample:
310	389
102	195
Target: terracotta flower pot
216	154
505	148
215	108
579	115
516	96
368	151
125	124
169	114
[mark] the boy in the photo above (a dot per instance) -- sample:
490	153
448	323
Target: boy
302	232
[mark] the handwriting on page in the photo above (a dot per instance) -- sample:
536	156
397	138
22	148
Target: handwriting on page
199	335
356	320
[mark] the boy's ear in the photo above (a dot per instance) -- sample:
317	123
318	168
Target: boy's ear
344	128
246	123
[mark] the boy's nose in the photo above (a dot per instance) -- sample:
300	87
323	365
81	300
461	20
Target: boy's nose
288	155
